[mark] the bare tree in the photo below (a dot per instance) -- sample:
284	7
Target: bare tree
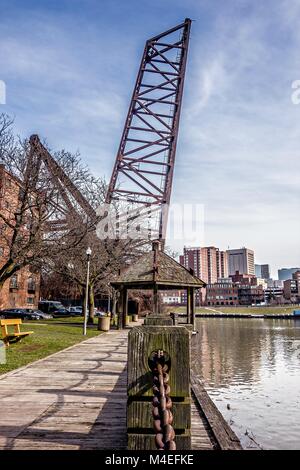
51	216
107	257
31	202
6	136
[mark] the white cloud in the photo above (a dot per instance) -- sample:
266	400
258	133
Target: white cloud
238	150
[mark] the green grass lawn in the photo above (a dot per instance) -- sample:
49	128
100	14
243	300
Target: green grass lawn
271	310
49	337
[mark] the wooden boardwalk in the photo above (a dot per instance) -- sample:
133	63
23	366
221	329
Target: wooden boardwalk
76	399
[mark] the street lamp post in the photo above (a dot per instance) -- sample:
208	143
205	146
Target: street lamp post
88	253
108	303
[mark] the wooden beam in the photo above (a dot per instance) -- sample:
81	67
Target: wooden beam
192	306
124	307
155	299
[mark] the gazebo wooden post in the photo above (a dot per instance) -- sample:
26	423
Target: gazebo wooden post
124	307
192	305
114	307
119	307
188	305
155	299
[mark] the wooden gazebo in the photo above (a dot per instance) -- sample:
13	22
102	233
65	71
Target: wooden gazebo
156	271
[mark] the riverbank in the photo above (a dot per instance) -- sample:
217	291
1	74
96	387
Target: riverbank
270	311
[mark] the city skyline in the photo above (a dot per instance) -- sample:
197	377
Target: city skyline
70	72
264	267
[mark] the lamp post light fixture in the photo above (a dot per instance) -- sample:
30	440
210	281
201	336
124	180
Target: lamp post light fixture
88	254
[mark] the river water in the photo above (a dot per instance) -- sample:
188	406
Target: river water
251	370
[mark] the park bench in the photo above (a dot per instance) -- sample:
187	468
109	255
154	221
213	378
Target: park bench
17	335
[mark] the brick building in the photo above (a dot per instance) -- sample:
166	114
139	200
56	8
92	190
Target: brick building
209	263
172	297
251	294
238	289
222	264
244	279
22	289
274	295
223	292
291	288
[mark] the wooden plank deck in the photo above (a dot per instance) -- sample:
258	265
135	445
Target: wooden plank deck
76	399
202	437
220	433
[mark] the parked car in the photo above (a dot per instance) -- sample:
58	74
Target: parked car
75	310
44	316
53	307
100	313
20	313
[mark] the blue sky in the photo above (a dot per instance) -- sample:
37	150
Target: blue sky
70	66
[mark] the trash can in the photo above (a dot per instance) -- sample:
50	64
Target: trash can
135	317
104	323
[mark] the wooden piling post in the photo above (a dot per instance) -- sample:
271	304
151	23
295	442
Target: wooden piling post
125	321
122	307
142	342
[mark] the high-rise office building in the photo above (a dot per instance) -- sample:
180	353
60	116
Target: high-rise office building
286	273
262	271
222	264
258	270
241	260
209	263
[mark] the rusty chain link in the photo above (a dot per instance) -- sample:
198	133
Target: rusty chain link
162	402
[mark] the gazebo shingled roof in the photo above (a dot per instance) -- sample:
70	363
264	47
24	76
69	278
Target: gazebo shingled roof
156	267
156	270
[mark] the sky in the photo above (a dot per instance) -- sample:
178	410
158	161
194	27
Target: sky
69	67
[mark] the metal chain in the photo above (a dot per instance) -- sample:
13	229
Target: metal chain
162	403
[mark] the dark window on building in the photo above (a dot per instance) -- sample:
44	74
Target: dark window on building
30	300
31	286
14	282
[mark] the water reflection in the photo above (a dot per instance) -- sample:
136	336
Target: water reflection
250	368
